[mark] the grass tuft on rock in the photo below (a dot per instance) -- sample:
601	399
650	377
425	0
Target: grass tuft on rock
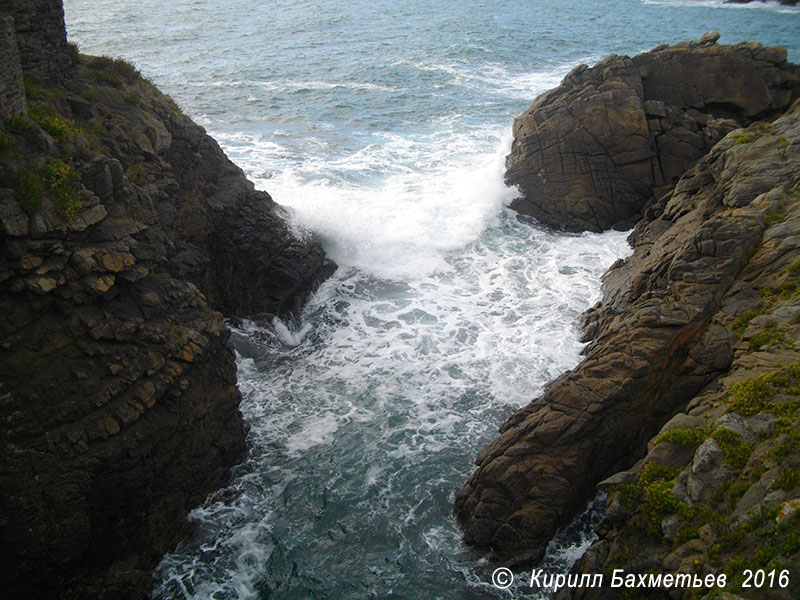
753	396
61	181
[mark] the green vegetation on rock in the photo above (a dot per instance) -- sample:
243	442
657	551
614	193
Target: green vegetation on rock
27	191
685	437
59	128
61	181
113	71
753	396
736	452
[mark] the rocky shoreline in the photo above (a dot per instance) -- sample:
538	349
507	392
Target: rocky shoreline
685	407
126	234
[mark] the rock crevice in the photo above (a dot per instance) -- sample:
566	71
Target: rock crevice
665	329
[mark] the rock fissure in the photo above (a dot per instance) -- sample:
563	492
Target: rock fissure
667	333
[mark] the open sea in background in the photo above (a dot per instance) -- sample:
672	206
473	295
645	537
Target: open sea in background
384	126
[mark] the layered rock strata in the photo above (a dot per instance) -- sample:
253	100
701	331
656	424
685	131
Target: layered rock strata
124	230
664	333
590	153
718	491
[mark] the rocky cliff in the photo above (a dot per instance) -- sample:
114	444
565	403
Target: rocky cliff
704	311
124	230
719	487
590	153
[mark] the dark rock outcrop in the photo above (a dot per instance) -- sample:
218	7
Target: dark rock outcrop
719	486
124	229
589	154
12	91
661	335
784	2
41	37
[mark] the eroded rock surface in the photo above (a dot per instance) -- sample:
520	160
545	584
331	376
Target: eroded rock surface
663	333
589	154
124	230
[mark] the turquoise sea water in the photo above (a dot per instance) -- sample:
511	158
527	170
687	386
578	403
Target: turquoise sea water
383	125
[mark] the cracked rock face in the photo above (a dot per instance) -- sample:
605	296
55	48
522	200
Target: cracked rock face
661	335
118	397
590	153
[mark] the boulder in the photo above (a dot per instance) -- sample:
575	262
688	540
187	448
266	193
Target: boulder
589	154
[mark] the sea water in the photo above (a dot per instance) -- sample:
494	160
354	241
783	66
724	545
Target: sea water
384	126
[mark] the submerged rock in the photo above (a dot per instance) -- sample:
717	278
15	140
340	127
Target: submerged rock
589	154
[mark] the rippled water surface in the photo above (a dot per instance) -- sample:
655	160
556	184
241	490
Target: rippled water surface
384	126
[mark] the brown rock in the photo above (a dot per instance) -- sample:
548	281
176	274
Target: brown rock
657	340
591	153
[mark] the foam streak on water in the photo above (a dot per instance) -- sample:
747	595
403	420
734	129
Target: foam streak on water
383	126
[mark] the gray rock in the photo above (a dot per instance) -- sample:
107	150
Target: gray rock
669	527
120	406
737	424
707	456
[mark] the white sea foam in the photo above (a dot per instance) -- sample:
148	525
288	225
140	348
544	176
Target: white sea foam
316	429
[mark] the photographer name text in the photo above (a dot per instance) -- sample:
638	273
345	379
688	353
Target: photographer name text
503	578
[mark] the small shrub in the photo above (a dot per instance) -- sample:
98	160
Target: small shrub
18	124
737	490
784	143
74	53
773	218
769	335
744	138
783	448
107	78
90	94
736	452
788	480
654	471
751	397
684	437
27	192
6	143
789	289
32	87
61	180
686	533
138	175
658	502
58	127
98	127
113	71
174	106
740	325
